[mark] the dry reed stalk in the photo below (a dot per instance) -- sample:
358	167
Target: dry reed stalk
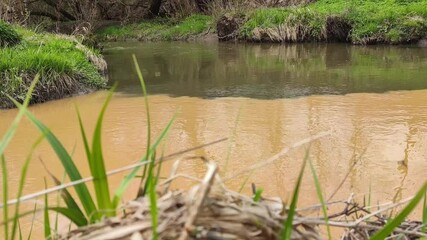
207	211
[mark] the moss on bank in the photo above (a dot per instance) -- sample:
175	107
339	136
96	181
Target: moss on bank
159	29
367	21
66	67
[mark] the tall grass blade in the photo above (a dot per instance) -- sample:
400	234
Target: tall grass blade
147	110
97	164
69	201
32	221
46	225
153	205
85	140
159	167
21	215
72	214
127	180
424	212
245	181
58	201
67	162
392	224
11	131
5	196
288	224
5	142
150	176
258	194
320	196
20	230
22	179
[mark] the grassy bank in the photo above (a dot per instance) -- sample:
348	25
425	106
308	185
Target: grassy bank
66	67
163	29
356	21
361	22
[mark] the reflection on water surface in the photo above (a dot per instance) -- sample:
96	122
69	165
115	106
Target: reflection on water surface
267	71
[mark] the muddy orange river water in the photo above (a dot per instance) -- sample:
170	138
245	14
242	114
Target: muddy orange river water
389	137
383	134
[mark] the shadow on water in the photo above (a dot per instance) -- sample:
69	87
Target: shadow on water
266	71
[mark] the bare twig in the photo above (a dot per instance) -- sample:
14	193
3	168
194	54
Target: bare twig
203	191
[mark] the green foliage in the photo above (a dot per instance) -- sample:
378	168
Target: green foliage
14	125
288	223
5	196
153	204
97	163
320	196
32	221
68	164
47	232
388	21
8	36
147	110
159	29
292	18
394	223
106	206
425	212
4	142
371	21
21	185
63	67
148	176
258	195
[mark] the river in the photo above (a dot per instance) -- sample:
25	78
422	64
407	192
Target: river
263	98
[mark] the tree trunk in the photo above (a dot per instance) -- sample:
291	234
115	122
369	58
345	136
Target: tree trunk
45	14
64	13
155	8
202	5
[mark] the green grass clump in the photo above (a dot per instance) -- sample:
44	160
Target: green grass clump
295	24
159	29
8	36
193	25
388	21
63	67
371	21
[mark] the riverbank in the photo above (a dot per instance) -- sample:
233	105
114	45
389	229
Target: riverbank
193	27
66	67
361	22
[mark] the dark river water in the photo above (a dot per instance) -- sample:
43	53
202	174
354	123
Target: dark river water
267	71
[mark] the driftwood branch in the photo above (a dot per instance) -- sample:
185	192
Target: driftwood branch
64	13
46	14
